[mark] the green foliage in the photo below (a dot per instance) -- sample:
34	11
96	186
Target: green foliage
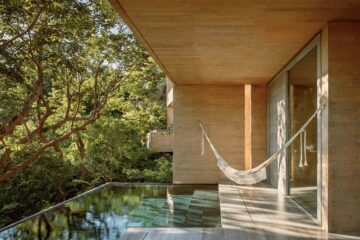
161	172
74	81
36	188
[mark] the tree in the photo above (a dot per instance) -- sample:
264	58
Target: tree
62	61
77	96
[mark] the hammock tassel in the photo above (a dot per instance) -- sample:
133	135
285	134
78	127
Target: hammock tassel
301	150
305	160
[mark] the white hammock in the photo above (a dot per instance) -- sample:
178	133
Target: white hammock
258	173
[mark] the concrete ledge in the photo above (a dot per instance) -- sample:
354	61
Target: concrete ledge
160	141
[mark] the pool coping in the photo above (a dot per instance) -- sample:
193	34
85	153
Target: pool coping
92	191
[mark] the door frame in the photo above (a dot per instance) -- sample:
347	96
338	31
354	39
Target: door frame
315	43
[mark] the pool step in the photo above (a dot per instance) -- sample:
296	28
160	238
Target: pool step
181	206
156	212
203	209
175	218
148	208
197	210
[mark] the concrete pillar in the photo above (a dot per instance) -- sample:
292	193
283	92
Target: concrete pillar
340	89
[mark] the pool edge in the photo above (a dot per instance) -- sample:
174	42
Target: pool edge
79	196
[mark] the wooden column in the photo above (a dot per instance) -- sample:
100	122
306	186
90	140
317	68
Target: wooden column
255	125
248	152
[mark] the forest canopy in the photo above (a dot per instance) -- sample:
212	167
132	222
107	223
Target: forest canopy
78	94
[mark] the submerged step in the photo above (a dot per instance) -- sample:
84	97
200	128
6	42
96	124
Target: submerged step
202	209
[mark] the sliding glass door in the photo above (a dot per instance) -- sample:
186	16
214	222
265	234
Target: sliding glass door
303	160
292	100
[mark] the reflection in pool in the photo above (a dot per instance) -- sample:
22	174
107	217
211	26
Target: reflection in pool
107	213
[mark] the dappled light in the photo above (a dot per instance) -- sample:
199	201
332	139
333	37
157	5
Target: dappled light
281	138
257	212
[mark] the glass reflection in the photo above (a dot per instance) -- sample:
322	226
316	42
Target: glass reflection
107	214
303	103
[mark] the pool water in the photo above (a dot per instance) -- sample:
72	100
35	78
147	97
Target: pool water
110	211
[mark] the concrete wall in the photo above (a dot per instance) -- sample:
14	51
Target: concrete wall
221	110
340	128
170	116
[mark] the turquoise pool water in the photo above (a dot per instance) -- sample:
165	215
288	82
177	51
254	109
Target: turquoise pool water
108	212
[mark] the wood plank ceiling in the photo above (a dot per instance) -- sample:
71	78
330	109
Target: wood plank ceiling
229	41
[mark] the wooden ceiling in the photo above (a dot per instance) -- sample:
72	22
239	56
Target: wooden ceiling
229	41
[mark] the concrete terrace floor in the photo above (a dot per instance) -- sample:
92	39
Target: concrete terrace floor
254	212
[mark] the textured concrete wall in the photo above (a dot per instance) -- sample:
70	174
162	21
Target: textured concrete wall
221	110
170	116
340	125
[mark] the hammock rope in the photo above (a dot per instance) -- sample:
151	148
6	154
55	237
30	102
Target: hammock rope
303	159
258	173
301	151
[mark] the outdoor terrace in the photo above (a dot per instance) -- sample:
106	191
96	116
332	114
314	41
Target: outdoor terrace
247	212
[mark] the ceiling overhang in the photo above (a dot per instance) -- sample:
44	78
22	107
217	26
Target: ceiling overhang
229	42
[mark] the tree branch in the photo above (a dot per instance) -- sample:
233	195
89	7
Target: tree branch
77	105
17	120
40	151
6	156
29	28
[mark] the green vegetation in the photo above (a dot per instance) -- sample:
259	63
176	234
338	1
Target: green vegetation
78	94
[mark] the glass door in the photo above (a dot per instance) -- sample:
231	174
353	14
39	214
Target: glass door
303	162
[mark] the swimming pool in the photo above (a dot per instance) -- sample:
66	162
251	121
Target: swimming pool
108	211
